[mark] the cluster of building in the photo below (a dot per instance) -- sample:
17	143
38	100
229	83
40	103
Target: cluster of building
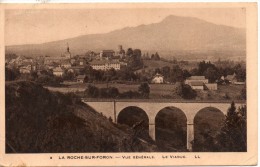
196	82
200	82
105	60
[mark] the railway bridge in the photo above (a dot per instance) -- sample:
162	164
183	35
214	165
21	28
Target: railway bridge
112	108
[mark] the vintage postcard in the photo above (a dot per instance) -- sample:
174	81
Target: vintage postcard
128	84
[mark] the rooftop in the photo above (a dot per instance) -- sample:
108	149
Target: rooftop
158	75
196	78
197	83
101	62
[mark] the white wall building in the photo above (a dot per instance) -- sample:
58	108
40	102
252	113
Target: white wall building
157	79
58	72
105	65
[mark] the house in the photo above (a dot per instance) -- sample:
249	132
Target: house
106	54
105	65
81	78
231	78
25	69
197	85
211	86
196	79
157	79
58	71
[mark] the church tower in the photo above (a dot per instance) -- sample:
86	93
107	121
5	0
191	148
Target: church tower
67	54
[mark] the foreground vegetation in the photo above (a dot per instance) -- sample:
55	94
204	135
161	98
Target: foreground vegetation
38	121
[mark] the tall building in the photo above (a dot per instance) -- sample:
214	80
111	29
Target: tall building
120	51
67	54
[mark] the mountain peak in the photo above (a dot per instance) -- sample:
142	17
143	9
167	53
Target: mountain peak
174	18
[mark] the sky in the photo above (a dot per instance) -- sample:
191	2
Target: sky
25	26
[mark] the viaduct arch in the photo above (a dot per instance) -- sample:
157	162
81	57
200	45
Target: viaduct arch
152	108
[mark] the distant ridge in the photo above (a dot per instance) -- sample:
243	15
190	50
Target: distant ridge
174	33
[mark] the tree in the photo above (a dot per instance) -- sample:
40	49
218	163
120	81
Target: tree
138	53
144	90
232	137
243	93
184	91
166	72
176	74
113	92
68	75
92	91
188	92
152	57
135	60
11	74
129	52
156	56
211	74
240	73
157	70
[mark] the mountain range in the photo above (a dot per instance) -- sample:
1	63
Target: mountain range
173	34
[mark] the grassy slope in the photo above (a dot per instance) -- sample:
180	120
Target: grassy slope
40	121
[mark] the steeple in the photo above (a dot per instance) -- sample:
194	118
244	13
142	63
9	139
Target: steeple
68	48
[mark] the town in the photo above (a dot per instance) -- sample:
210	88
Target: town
118	74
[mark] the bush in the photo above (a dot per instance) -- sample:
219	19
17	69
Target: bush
130	95
92	91
144	90
188	92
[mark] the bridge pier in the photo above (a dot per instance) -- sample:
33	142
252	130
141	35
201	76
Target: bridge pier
152	131
190	135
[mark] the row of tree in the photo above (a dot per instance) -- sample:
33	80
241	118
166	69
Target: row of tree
112	92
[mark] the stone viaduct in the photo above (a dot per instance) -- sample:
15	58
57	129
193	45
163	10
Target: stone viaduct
112	109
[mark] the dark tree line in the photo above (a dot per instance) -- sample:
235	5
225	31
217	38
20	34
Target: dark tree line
112	92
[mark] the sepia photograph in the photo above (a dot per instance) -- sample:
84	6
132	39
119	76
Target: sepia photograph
127	79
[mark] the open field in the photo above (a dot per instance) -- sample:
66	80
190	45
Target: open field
153	64
158	91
